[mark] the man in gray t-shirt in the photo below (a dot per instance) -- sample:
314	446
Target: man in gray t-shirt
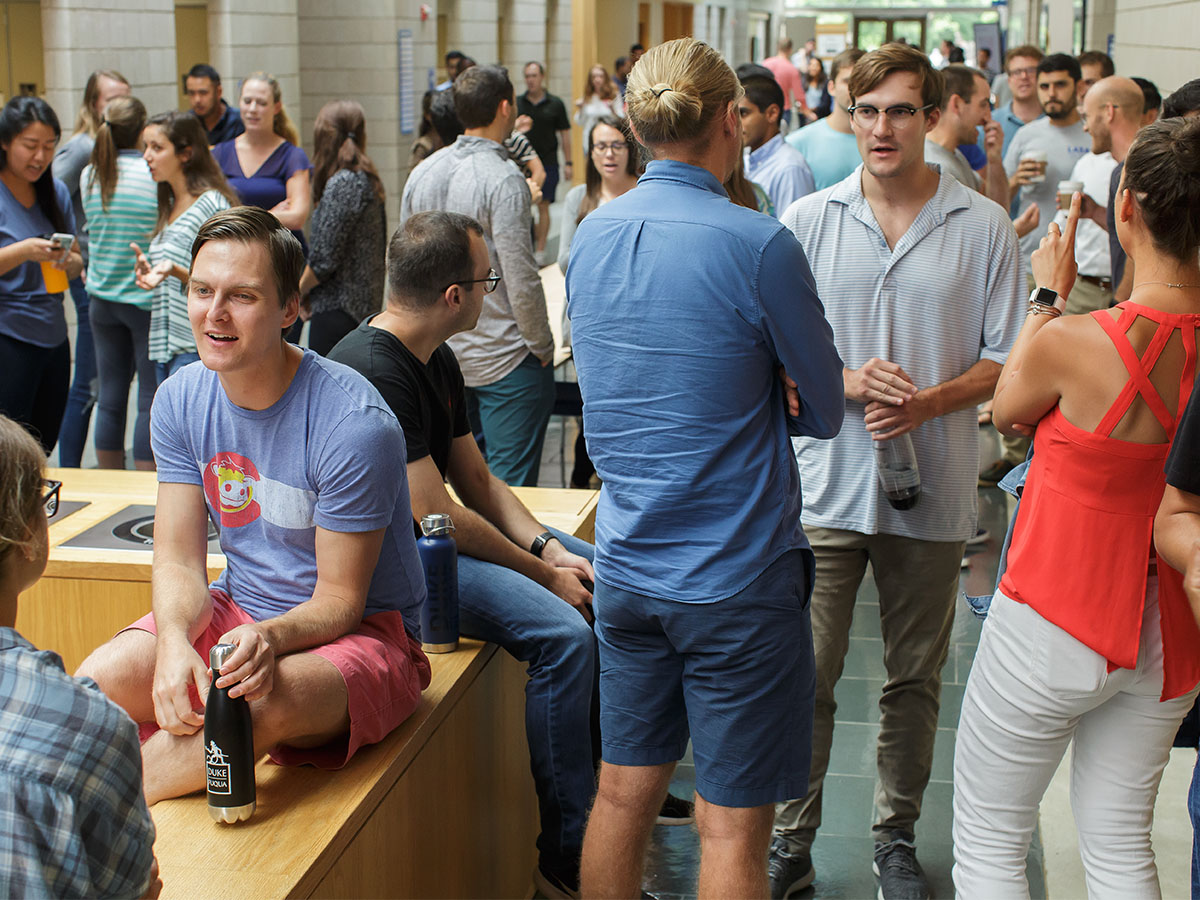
506	358
1059	135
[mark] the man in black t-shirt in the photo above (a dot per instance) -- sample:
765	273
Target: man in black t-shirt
521	585
550	124
1177	540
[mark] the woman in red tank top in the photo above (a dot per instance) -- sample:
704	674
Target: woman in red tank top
1090	641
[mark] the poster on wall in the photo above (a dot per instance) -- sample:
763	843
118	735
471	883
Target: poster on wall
990	37
830	43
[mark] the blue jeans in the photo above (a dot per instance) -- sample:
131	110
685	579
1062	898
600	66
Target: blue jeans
82	395
165	370
535	626
513	414
121	333
1194	810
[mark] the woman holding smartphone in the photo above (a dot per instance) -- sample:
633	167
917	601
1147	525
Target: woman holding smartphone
37	257
1090	641
191	189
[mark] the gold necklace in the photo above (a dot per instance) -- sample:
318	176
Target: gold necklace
1166	283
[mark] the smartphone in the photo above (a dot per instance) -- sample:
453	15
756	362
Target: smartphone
62	241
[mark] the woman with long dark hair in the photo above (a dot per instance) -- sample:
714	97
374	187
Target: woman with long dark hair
119	200
35	355
1090	642
191	189
103	86
343	281
816	90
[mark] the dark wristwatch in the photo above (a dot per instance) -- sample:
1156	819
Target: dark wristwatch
540	542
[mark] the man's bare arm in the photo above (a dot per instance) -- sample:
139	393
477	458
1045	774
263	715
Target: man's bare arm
495	540
972	387
182	606
1177	539
345	564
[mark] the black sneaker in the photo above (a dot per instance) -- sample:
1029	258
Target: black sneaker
556	882
788	873
676	811
900	875
991	476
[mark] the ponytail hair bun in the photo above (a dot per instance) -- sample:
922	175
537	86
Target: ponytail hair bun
676	89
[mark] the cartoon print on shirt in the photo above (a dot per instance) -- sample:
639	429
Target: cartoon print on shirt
230	483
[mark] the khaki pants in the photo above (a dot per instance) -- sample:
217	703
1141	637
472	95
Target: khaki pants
918	583
1086	297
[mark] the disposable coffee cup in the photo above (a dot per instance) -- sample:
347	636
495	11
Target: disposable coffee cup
1066	189
1040	157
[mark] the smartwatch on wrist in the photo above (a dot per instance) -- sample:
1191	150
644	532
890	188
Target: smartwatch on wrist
539	543
1044	301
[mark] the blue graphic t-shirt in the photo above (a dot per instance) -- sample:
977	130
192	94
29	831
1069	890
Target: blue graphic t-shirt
329	452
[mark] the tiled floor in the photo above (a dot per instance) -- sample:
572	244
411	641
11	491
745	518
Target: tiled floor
842	853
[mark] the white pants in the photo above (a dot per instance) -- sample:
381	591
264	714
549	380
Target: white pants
1033	690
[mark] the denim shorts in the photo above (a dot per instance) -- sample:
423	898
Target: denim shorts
737	675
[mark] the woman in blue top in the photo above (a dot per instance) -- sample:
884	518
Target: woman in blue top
35	356
121	203
265	164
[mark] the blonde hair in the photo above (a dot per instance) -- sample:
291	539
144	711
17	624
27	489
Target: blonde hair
282	125
676	89
22	464
87	122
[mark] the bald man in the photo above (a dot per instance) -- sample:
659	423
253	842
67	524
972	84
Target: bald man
1112	115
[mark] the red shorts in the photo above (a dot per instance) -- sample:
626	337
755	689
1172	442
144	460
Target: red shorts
383	667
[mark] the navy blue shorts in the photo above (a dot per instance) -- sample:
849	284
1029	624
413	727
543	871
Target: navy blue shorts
737	675
550	185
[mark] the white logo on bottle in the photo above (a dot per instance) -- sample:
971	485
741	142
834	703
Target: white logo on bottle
217	769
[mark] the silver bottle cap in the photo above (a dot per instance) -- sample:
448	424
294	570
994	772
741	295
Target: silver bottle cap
436	523
218	654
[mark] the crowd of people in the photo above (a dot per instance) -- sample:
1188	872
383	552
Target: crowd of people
707	244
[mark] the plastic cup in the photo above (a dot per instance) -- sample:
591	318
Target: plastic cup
1065	190
56	279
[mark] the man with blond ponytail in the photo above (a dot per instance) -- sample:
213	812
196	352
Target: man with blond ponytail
684	351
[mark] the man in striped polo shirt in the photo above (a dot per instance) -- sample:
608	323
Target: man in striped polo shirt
921	282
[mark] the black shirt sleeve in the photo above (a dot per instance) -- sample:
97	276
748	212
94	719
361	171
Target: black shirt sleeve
1183	463
564	121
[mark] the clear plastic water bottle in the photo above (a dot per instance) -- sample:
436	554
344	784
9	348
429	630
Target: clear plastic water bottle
896	463
439	557
228	748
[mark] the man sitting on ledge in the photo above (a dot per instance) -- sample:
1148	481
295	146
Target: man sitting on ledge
301	464
520	585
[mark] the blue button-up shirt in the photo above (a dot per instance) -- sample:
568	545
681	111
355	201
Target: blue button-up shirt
781	170
682	307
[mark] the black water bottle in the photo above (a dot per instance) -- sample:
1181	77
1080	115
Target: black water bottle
228	748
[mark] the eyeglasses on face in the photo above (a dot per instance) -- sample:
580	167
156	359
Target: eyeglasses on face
50	498
897	116
600	148
1024	72
489	283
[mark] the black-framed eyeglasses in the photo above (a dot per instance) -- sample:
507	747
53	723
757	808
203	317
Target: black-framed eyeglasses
897	116
50	498
489	283
601	148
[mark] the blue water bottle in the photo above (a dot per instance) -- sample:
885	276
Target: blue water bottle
439	556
